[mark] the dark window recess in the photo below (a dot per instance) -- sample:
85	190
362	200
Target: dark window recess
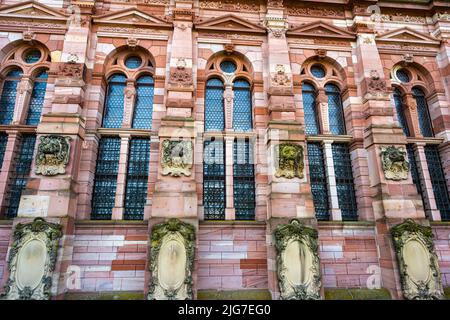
8	97
415	172
243	180
400	111
105	182
242	106
335	109
309	109
214	180
143	110
3	143
422	112
318	180
37	99
214	113
113	113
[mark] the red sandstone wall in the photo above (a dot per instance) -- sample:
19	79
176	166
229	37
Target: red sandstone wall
5	233
232	257
112	257
442	246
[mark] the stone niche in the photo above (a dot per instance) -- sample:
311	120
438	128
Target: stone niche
32	259
298	263
171	261
417	260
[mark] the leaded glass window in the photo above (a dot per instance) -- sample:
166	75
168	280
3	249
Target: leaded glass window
344	181
37	99
438	181
335	109
414	170
32	56
400	111
114	103
19	176
318	71
403	76
309	109
422	111
8	97
143	110
3	143
214	108
228	66
105	182
133	62
243	180
318	180
214	180
137	179
242	106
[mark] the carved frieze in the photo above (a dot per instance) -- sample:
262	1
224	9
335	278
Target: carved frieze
394	162
314	11
171	261
298	264
32	260
290	160
417	261
231	5
52	155
176	157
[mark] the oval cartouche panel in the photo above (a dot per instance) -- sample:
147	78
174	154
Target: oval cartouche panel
417	260
31	260
171	264
298	262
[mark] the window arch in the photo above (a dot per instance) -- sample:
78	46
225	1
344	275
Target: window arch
113	112
335	109
310	109
37	98
426	128
214	106
8	97
398	102
242	106
143	109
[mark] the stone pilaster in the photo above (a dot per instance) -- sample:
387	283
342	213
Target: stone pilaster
333	201
118	209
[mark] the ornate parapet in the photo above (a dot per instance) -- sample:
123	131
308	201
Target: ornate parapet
394	163
32	260
298	264
418	262
171	261
290	160
52	155
176	157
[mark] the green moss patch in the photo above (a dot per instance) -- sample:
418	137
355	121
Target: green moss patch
234	295
357	294
104	296
447	293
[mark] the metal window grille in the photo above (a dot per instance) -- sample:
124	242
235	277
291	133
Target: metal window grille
415	171
214	108
309	109
37	99
400	112
19	177
214	180
137	179
422	112
335	109
318	180
438	181
243	180
105	182
114	103
143	110
344	181
8	97
242	106
3	143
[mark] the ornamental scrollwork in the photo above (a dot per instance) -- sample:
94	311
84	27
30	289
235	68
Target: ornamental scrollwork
52	155
394	162
290	160
176	157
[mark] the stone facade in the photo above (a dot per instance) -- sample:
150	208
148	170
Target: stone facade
340	86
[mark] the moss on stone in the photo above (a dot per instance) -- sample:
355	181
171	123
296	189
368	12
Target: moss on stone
447	293
234	295
357	294
104	296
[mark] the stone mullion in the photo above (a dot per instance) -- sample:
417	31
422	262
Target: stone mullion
322	108
24	90
336	214
129	102
228	99
230	212
411	115
118	209
12	147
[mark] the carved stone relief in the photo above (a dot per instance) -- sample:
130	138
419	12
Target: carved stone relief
276	26
418	262
298	264
394	162
32	260
52	155
176	158
171	261
280	77
180	76
290	160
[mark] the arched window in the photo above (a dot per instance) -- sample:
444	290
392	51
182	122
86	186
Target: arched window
8	97
335	109
214	109
37	99
309	109
143	110
400	112
114	103
422	112
242	106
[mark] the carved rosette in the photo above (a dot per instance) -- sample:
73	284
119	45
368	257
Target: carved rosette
418	262
176	158
32	260
298	263
394	162
171	261
52	155
290	160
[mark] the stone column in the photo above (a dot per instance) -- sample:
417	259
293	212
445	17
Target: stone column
118	209
336	213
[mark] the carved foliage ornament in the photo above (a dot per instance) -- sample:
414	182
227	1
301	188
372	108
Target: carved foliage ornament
171	261
32	260
176	157
281	78
290	160
394	163
52	155
418	263
276	26
298	264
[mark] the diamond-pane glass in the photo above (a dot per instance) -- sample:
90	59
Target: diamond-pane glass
214	113
437	176
3	142
403	76
415	172
143	110
243	180
242	106
309	109
8	97
318	180
228	66
344	181
114	102
133	62
214	180
105	182
335	109
37	99
400	112
32	56
422	111
19	175
318	71
137	179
